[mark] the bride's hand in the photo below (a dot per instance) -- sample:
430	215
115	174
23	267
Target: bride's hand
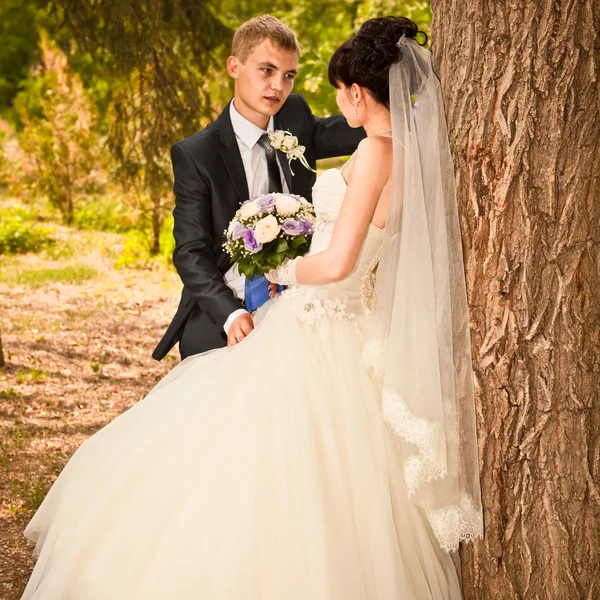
272	290
271	276
284	274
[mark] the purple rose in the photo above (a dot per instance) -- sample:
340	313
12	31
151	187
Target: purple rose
292	227
250	242
267	203
307	227
238	231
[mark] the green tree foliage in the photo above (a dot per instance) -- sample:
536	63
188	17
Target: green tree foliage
156	54
322	26
141	76
57	153
18	48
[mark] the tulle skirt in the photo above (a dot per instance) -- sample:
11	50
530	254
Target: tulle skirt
259	472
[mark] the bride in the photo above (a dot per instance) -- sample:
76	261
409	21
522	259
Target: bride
332	454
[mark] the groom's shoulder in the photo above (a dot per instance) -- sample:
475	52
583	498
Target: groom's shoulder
294	103
200	138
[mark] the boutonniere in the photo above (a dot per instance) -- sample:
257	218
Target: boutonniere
288	144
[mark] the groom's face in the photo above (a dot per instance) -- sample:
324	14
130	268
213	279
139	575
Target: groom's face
264	81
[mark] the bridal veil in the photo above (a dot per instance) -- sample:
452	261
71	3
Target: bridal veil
420	346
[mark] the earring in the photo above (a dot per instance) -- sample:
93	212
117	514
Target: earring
356	109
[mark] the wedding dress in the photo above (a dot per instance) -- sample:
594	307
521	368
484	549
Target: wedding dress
264	471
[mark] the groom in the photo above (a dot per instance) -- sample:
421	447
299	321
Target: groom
230	161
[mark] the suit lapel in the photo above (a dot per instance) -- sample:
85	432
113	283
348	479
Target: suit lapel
283	159
231	155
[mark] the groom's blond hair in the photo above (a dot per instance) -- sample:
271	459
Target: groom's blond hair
254	31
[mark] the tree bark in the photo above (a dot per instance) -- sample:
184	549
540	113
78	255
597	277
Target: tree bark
2	363
157	218
521	88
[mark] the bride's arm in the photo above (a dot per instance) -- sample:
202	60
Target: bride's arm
370	174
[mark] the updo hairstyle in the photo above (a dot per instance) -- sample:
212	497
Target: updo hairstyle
366	58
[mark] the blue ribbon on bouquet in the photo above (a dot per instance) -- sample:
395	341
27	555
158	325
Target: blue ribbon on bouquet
256	292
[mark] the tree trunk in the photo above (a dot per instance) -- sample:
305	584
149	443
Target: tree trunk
2	363
157	221
521	88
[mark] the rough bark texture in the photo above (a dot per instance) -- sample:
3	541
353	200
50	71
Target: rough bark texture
521	86
2	363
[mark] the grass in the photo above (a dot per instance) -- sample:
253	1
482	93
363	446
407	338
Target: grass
18	435
26	488
30	375
10	394
104	244
30	490
35	278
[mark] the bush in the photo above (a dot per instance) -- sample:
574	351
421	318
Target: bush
104	213
167	241
58	152
137	255
19	233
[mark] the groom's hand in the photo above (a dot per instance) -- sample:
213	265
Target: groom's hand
239	329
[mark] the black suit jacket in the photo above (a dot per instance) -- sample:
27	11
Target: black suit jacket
210	183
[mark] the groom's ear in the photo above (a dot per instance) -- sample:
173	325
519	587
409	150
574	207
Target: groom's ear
233	67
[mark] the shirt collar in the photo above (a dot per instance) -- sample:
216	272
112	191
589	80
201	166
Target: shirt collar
246	131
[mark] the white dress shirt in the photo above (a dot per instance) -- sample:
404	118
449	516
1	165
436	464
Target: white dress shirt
254	159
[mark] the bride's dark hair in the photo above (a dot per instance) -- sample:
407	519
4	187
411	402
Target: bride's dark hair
366	58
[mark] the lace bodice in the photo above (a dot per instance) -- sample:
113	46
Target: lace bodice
353	295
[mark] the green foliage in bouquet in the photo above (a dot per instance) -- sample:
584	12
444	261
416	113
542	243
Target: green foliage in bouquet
267	229
272	255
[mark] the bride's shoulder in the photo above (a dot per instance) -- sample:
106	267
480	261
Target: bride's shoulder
374	154
376	146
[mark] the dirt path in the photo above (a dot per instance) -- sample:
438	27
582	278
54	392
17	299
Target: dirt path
78	354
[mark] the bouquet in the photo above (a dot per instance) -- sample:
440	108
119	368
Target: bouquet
267	229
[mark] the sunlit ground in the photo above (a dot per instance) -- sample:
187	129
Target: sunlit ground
78	334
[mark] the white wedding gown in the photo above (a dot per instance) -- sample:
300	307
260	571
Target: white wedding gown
264	471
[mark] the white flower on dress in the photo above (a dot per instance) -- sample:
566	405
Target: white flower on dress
313	311
266	229
336	308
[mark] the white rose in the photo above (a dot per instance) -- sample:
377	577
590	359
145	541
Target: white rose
250	209
266	229
276	138
289	143
286	205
